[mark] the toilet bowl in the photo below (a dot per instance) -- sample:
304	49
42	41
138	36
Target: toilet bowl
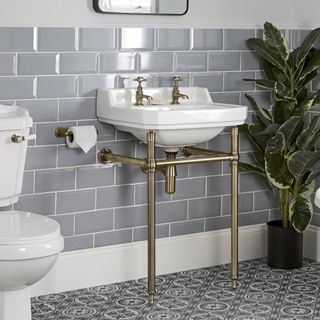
29	243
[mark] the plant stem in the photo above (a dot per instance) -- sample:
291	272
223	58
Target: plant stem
284	207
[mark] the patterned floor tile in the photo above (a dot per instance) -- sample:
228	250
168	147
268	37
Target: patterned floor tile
203	294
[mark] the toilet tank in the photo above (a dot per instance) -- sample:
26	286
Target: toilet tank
14	120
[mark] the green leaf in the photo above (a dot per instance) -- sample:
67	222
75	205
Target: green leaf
305	106
261	137
291	128
267	53
266	114
273	37
282	93
306	190
264	83
301	161
275	163
314	64
302	83
308	136
300	211
306	45
247	167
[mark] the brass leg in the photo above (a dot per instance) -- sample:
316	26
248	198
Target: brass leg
151	169
234	208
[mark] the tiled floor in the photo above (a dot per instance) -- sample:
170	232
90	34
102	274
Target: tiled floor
263	293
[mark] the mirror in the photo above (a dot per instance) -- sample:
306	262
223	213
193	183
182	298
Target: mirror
158	7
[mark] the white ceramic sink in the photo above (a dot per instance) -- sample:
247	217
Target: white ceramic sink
195	120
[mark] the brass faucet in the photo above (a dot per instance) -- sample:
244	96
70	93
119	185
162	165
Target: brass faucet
139	93
176	95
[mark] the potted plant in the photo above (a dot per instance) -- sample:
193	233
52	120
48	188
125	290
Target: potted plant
285	138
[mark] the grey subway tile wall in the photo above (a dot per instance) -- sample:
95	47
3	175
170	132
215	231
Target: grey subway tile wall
55	73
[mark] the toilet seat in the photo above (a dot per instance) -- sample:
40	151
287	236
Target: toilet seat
25	235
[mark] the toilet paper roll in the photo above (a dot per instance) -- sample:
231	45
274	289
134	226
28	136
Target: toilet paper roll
84	137
317	198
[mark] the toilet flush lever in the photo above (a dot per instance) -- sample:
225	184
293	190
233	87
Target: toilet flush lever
18	139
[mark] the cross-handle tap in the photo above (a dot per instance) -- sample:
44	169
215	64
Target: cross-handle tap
176	95
139	93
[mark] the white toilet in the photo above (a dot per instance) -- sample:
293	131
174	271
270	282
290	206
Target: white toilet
29	243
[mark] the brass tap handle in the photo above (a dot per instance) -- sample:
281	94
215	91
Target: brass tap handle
176	79
139	93
176	95
139	79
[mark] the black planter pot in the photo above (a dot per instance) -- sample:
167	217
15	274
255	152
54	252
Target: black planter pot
285	246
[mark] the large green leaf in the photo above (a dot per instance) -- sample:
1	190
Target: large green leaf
263	83
291	128
282	93
266	114
314	64
273	37
276	164
267	53
305	106
306	45
250	168
301	161
300	211
262	137
308	136
302	83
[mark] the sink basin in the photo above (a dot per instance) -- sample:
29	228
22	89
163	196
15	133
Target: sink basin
195	120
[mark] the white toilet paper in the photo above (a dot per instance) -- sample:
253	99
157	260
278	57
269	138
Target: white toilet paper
84	137
317	198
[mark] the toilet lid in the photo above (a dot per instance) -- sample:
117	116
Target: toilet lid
19	227
14	117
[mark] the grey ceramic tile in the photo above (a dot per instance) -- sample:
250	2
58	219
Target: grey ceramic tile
132	39
130	217
66	222
205	169
156	62
249	61
113	62
204	208
16	39
106	132
264	200
233	81
36	63
117	196
74	201
164	80
189	188
187	227
235	39
245	203
258	217
54	180
190	61
141	193
38	203
78	243
221	143
89	84
93	221
120	147
226	97
16	88
41	110
56	39
251	182
224	61
218	185
41	157
207	39
97	39
113	237
46	135
171	211
217	223
57	87
297	37
129	174
75	63
245	143
77	109
7	64
212	81
28	182
274	214
263	98
141	233
75	157
95	176
173	39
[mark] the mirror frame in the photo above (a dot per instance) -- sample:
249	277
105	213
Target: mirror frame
97	9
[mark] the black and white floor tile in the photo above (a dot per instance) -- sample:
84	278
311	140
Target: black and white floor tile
203	294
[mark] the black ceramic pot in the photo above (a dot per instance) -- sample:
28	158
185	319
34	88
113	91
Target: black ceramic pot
285	246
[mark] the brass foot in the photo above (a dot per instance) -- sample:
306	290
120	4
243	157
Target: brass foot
234	284
151	298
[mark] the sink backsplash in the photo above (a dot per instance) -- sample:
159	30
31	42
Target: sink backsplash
55	72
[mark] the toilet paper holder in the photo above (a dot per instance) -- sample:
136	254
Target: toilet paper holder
63	132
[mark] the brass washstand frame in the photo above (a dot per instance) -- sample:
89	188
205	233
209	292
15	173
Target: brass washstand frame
193	155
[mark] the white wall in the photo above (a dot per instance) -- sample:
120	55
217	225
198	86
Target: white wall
202	13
